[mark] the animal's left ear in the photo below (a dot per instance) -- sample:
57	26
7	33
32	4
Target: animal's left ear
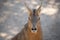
39	9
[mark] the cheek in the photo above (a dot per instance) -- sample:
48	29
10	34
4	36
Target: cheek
30	25
38	22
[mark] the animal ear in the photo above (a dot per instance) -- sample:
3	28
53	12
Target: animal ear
39	9
29	10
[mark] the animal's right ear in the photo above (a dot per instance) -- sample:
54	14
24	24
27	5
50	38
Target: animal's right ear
29	10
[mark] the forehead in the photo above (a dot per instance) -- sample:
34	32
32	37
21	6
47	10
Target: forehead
34	14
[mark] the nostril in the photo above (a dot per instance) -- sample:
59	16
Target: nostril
34	29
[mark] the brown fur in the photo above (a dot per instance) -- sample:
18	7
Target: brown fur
26	34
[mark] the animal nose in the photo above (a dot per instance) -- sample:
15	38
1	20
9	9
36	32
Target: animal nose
34	28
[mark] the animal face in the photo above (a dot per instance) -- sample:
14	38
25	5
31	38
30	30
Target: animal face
33	18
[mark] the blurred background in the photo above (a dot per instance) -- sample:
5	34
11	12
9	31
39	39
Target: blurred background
13	16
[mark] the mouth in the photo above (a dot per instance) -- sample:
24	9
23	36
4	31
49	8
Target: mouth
34	30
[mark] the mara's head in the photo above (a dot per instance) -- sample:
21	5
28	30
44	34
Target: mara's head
33	19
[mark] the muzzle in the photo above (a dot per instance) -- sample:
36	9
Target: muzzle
34	29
